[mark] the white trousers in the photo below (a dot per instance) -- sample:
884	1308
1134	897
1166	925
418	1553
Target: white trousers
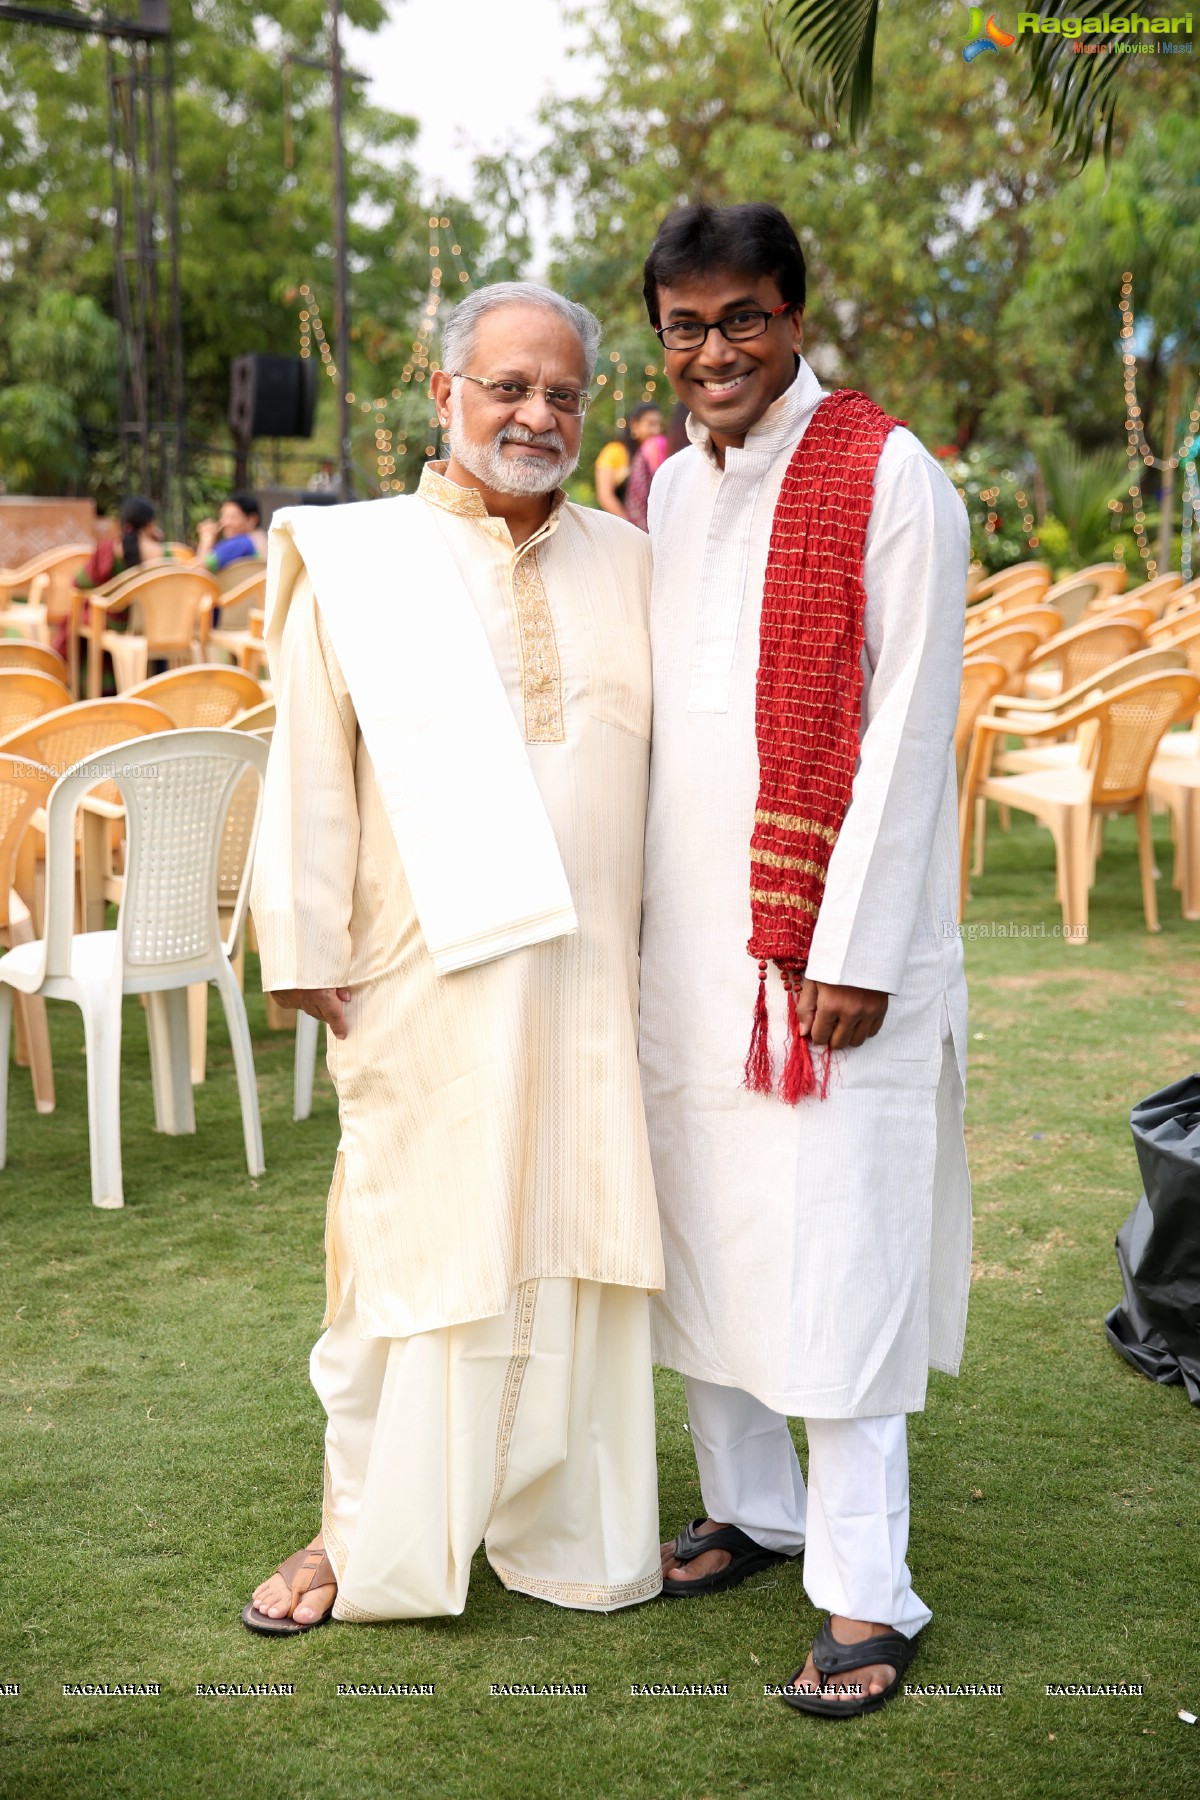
532	1433
851	1522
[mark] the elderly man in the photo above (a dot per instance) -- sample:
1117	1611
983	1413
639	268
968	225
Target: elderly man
806	621
450	877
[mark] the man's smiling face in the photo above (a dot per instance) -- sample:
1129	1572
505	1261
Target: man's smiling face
729	387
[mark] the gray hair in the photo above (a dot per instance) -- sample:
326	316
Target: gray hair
458	335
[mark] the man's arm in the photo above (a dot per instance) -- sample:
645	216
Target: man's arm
915	572
308	845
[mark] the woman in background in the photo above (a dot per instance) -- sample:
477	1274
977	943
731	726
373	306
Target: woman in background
615	460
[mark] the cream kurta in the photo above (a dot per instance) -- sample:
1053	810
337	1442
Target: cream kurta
818	1256
492	1126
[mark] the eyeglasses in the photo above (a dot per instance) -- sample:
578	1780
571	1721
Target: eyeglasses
738	328
572	402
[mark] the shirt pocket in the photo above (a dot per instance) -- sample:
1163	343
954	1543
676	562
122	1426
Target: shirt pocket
618	678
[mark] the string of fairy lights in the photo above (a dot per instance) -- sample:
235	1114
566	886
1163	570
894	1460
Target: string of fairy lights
1140	454
392	440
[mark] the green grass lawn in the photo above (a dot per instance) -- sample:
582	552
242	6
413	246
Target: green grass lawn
162	1449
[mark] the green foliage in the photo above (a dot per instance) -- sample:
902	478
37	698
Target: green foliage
63	360
988	486
1079	486
827	48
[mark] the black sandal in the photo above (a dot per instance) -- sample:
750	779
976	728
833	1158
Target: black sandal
746	1558
833	1658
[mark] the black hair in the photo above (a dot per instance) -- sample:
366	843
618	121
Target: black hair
754	239
247	502
640	410
135	514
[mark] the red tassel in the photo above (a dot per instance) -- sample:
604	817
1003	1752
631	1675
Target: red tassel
760	1075
799	1077
826	1070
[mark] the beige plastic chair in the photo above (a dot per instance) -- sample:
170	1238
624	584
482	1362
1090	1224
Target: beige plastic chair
1175	783
204	694
1083	650
1117	735
1014	646
233	633
1175	623
1019	707
19	653
167	936
1016	574
16	581
24	790
982	679
54	601
168	610
25	694
1075	593
236	574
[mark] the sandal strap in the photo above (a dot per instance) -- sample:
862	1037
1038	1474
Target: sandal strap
302	1570
833	1658
691	1542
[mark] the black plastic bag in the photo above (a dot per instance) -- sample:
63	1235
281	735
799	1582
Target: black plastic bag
1157	1327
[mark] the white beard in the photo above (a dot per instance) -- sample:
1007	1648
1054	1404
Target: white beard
503	474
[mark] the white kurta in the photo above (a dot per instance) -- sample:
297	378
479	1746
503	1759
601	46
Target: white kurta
818	1256
492	1126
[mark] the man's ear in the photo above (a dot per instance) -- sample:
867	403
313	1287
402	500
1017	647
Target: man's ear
798	329
439	387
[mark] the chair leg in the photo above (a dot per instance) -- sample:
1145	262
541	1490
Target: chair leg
101	1010
1146	864
308	1044
6	1004
1187	852
198	1030
964	854
37	1037
1072	842
980	834
1005	818
170	1067
243	1062
279	1018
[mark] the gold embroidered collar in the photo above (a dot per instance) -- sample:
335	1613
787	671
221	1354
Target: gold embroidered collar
468	503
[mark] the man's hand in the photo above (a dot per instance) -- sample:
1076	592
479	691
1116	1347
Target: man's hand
207	533
842	1017
327	1004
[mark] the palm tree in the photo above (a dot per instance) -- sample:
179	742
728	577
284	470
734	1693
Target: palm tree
827	50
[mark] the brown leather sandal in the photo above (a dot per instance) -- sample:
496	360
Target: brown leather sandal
306	1569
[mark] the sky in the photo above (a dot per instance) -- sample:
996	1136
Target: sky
471	78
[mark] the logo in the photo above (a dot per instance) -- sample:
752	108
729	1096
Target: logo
986	37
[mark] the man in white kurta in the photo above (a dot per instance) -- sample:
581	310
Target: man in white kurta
491	1230
817	1255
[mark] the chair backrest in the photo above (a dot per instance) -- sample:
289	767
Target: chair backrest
1087	648
176	791
1013	646
235	574
20	653
1106	578
27	694
1187	642
1016	597
1071	598
202	694
14	582
1132	719
1017	574
236	602
255	718
61	739
24	786
982	679
1153	594
1176	618
164	605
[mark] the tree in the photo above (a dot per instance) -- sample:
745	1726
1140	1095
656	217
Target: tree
827	48
64	363
255	194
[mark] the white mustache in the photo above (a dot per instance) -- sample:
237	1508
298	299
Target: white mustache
521	434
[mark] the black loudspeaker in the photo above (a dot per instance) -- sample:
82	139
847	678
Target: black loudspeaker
272	396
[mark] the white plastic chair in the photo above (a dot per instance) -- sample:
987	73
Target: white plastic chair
176	790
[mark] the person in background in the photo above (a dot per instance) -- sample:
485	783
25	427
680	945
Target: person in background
648	458
139	539
324	479
616	459
235	534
